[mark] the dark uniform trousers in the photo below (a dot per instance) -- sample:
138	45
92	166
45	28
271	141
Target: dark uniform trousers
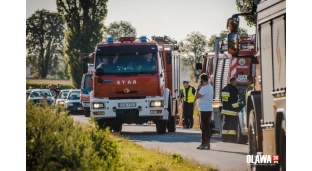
230	109
188	109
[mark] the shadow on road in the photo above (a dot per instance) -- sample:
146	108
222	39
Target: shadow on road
233	152
168	137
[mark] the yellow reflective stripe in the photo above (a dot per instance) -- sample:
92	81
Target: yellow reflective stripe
235	105
225	94
225	99
228	132
228	112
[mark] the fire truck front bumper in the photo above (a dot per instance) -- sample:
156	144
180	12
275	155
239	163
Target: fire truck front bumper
148	108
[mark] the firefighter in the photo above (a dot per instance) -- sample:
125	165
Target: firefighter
230	110
251	86
188	96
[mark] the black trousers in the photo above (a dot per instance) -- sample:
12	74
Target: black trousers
188	111
230	125
205	117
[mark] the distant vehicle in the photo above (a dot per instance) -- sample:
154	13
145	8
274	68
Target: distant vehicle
86	88
37	95
60	99
29	91
72	101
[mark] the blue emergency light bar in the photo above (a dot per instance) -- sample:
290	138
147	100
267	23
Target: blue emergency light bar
143	38
110	40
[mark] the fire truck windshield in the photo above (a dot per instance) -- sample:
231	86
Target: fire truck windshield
128	63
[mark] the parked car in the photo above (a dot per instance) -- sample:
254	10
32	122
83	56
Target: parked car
72	101
60	99
37	95
29	91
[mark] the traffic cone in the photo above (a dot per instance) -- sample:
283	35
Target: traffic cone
181	121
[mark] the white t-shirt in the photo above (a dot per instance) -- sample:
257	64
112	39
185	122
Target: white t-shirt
205	102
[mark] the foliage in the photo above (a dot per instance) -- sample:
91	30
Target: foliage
223	35
192	48
245	6
55	142
120	28
134	157
62	73
34	85
85	26
44	42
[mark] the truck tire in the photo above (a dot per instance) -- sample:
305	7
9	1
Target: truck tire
240	138
282	148
171	123
161	126
253	132
86	113
117	127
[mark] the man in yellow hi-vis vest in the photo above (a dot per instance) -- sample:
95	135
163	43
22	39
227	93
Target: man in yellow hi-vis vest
188	96
230	108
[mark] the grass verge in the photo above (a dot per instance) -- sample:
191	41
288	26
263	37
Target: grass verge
135	157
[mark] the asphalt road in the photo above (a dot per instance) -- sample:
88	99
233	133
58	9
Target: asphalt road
225	156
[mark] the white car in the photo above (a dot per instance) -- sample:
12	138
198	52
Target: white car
60	99
72	102
37	95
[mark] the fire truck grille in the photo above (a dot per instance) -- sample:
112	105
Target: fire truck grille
131	92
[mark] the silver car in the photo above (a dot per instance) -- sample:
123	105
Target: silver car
72	102
60	99
37	95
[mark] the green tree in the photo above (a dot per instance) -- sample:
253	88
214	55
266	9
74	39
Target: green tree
223	35
44	42
120	28
246	6
192	48
85	26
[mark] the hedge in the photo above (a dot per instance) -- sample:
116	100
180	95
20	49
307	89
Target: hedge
55	142
63	86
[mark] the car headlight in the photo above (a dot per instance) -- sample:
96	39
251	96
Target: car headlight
156	103
61	102
98	105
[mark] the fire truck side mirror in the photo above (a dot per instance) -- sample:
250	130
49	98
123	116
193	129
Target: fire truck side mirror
85	59
99	72
198	69
233	43
232	24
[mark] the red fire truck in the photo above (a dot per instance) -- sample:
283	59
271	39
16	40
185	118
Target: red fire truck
220	66
138	85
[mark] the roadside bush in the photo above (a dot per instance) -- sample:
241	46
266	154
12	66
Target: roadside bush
63	86
55	142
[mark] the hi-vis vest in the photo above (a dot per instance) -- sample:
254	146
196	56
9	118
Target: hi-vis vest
190	95
250	87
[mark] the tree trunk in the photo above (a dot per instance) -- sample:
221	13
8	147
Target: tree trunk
47	57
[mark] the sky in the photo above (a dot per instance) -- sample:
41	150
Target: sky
174	18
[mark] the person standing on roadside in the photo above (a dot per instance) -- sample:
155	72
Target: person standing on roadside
188	96
57	90
204	101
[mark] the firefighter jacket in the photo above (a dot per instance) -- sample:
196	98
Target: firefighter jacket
229	100
190	96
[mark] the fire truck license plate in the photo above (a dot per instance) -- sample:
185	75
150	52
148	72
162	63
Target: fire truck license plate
126	104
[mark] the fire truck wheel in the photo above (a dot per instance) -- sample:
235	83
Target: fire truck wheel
117	127
282	148
171	123
240	138
161	126
86	113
